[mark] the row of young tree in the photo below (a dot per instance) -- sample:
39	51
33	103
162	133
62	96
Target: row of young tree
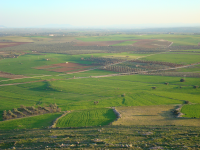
157	62
24	111
103	61
122	69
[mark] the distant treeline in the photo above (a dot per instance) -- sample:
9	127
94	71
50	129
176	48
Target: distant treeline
69	48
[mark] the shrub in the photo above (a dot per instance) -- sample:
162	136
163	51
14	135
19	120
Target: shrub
123	95
166	83
195	86
182	80
154	87
187	102
96	102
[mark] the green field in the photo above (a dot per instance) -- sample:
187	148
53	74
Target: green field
40	121
90	117
78	91
75	94
191	111
173	57
176	39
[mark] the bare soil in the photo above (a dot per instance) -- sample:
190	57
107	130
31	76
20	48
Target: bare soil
152	115
151	43
9	75
65	67
10	44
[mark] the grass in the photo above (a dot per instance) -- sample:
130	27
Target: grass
174	58
76	94
91	117
193	69
111	137
40	121
191	111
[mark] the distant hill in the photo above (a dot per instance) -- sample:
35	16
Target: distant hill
1	26
54	26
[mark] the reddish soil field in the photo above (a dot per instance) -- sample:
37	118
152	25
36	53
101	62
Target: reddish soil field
63	67
70	69
151	43
9	75
145	43
10	44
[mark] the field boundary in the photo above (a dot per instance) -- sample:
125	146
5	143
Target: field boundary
118	115
55	121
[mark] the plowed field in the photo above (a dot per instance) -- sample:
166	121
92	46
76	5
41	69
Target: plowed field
10	44
65	67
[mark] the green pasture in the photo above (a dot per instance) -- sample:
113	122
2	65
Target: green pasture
76	94
176	39
26	64
193	69
3	78
40	121
174	58
191	111
192	50
61	76
91	117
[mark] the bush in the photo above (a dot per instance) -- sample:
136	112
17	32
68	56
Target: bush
182	80
123	95
166	83
154	87
195	86
187	102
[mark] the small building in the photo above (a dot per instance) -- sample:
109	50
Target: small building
51	34
66	62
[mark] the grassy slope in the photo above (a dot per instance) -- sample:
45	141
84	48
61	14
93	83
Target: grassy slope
91	117
25	64
191	111
77	94
29	122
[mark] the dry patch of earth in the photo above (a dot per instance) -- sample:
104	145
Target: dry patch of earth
10	44
9	75
152	115
65	67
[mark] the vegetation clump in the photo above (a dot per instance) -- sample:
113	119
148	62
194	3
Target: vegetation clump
24	111
182	80
154	87
195	86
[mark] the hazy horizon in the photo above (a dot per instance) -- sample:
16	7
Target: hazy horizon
88	13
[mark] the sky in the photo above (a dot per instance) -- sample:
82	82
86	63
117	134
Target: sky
29	13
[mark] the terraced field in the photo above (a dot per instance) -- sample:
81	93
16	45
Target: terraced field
89	117
191	111
41	121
